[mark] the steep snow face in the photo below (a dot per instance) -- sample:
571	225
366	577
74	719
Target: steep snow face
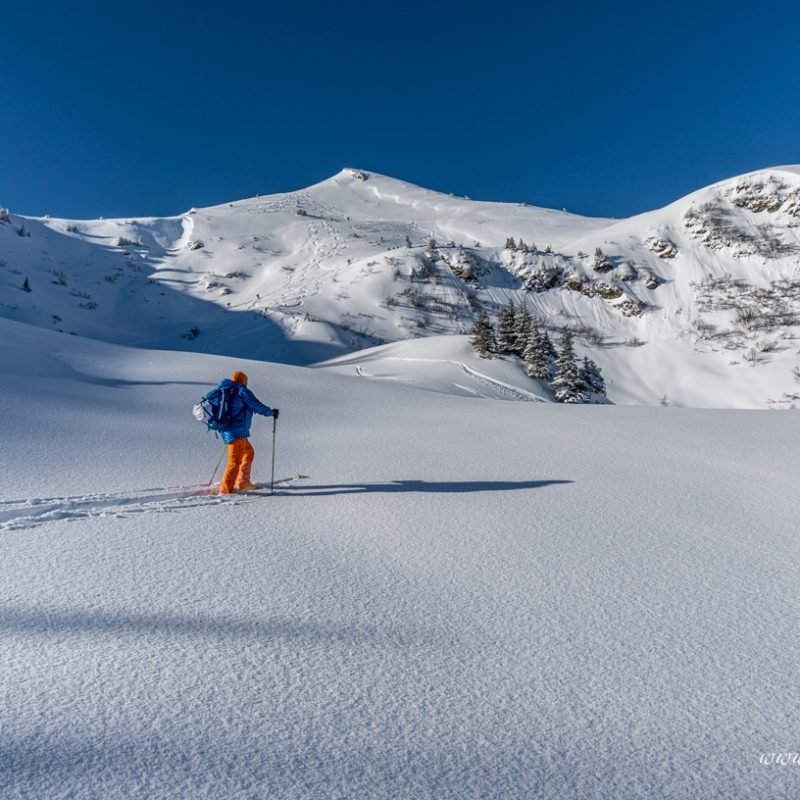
693	304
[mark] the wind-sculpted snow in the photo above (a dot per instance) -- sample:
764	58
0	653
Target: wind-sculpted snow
458	597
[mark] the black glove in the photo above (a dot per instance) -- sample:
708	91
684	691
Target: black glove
275	413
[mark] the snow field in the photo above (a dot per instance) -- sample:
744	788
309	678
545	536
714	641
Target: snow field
462	598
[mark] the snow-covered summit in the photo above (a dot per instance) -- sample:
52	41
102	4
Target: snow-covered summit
696	302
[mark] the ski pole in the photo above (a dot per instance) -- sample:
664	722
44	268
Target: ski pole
272	476
224	448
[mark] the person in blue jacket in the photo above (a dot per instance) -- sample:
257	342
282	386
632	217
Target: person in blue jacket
243	405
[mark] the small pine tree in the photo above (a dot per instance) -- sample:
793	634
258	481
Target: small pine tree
483	336
4	215
536	357
408	242
523	323
510	243
592	378
506	324
567	384
26	285
547	345
432	244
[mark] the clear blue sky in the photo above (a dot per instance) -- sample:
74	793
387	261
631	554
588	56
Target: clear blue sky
149	108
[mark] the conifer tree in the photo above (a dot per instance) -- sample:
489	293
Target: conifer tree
567	383
591	377
506	340
537	360
510	243
523	323
483	336
548	346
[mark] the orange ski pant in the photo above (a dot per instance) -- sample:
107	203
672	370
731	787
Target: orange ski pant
240	461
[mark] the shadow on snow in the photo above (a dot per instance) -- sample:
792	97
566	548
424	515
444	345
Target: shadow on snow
420	486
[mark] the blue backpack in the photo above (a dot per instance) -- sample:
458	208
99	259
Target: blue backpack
214	409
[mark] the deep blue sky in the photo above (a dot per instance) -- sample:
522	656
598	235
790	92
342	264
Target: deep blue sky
603	108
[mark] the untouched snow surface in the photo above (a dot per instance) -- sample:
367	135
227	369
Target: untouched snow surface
461	598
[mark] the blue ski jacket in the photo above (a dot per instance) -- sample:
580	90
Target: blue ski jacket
243	405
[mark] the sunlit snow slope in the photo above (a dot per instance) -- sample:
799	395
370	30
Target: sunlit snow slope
694	304
458	599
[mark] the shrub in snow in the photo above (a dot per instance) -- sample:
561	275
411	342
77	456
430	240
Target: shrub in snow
358	175
632	308
72	228
301	212
662	247
576	283
463	266
4	215
408	242
122	241
753	357
547	277
627	272
196	244
600	263
26	285
650	280
606	291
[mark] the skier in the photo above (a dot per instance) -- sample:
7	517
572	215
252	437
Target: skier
235	434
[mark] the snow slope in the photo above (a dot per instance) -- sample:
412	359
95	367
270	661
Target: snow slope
461	598
696	304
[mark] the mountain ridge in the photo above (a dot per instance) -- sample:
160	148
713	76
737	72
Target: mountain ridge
708	284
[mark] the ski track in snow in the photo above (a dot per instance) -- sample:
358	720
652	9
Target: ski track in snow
21	514
30	513
512	392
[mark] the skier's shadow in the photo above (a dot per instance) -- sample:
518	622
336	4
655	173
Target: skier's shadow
419	486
